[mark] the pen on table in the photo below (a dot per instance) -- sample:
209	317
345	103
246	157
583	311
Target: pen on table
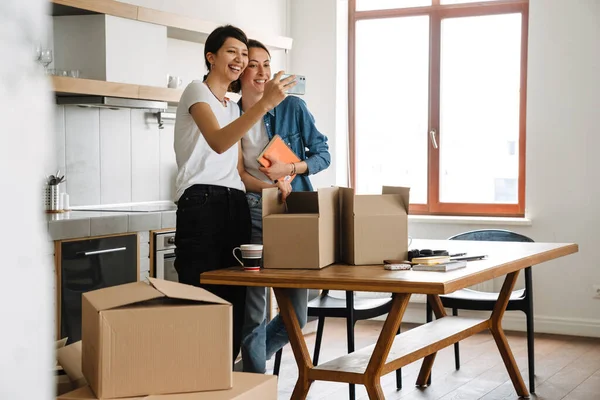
458	255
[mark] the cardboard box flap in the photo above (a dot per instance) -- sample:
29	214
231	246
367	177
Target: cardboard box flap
271	203
404	193
377	204
176	290
69	358
328	200
121	295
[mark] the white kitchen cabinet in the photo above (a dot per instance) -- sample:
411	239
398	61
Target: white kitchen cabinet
108	48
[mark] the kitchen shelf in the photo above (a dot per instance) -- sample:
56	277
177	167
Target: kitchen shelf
78	86
178	26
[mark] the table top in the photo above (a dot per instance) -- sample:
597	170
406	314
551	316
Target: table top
502	258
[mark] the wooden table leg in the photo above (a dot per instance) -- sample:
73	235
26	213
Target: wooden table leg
287	312
383	346
500	337
439	311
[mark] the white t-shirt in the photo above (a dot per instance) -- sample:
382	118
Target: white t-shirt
253	143
197	163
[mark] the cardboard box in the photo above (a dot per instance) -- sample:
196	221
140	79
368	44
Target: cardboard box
303	235
162	337
63	384
69	358
245	387
374	227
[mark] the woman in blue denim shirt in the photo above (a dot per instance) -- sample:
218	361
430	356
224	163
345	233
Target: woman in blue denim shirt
295	124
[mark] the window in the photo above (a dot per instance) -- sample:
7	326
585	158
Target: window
437	102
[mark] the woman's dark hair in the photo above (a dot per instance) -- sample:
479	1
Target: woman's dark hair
217	37
236	86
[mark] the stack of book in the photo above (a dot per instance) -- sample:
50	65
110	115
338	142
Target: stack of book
440	267
437	263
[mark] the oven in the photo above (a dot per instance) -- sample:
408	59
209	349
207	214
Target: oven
164	255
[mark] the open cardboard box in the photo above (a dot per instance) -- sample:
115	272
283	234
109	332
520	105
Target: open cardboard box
374	227
303	235
162	337
69	358
245	386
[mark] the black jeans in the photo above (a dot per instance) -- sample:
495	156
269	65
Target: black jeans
211	222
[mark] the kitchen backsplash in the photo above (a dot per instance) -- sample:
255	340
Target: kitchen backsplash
113	156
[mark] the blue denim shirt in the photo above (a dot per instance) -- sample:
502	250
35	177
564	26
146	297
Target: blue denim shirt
295	124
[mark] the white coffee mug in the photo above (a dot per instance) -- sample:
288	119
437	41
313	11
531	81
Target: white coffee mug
251	256
174	82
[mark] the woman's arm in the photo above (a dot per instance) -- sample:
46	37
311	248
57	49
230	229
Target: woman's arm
221	139
317	155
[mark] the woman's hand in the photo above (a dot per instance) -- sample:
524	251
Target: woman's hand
275	90
277	170
285	188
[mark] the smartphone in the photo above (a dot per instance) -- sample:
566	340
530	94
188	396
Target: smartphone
300	87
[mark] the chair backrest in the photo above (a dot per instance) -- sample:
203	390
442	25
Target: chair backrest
496	235
499	235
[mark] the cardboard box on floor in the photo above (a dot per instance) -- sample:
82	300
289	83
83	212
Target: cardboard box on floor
374	227
245	387
69	358
162	337
303	235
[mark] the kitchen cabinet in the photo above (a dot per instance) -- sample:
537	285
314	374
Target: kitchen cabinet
109	77
83	265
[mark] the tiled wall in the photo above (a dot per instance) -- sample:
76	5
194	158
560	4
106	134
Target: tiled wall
113	156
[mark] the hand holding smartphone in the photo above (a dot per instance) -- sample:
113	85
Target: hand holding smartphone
300	87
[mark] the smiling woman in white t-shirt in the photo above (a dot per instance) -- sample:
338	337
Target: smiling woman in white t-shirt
212	212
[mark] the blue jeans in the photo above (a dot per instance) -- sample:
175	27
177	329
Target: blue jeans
260	340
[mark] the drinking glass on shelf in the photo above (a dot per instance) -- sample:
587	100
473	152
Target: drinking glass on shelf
46	59
37	52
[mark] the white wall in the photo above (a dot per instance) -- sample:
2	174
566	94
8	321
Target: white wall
562	141
26	301
314	27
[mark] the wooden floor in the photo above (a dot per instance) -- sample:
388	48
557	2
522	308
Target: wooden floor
567	367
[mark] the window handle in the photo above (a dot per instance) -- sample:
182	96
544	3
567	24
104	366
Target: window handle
433	139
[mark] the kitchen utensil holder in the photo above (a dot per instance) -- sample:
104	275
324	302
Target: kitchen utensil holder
52	199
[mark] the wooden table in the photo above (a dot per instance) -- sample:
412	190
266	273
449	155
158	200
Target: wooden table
392	351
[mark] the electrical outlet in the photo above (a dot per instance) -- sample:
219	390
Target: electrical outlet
596	291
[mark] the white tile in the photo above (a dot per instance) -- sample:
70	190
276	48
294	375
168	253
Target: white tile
168	165
82	151
108	225
145	157
144	275
115	156
69	229
55	157
169	219
144	222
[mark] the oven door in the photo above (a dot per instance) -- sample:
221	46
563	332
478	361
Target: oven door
165	265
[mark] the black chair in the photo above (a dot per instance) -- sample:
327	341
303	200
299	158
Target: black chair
351	308
468	299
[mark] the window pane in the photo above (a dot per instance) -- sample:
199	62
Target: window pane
392	61
366	5
479	109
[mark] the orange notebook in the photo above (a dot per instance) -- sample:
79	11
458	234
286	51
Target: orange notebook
278	150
